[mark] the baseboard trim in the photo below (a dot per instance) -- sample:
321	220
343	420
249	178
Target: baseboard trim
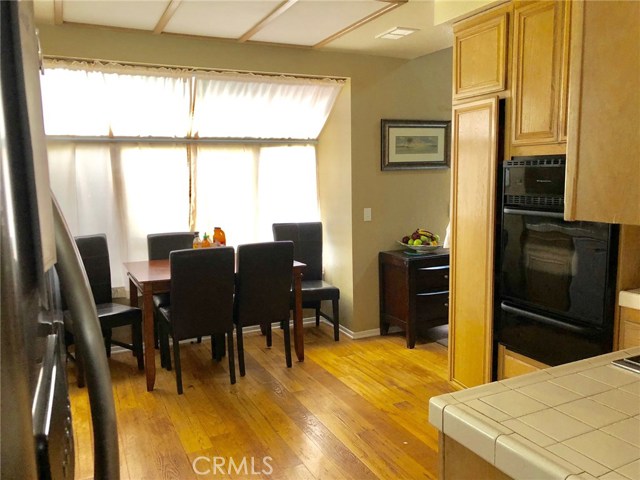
374	332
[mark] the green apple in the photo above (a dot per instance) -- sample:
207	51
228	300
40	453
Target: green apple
417	242
410	242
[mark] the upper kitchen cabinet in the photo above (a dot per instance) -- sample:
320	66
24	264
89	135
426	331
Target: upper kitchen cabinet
603	143
480	54
539	83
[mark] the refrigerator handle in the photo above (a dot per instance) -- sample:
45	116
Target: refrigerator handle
89	337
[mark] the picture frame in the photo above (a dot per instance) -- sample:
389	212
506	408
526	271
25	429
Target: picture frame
415	144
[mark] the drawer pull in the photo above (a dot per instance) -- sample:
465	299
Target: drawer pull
428	294
446	304
446	276
440	267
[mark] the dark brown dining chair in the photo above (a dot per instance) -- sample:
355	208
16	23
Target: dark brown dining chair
159	246
263	286
94	252
307	241
202	289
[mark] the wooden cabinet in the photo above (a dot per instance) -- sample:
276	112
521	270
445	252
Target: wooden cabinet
480	54
512	364
629	328
474	170
603	143
414	291
539	79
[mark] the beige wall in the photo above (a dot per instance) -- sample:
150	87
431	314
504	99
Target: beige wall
349	164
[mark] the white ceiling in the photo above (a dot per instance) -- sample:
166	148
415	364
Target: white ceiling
326	25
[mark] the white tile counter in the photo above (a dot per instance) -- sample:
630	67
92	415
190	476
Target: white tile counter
576	421
630	299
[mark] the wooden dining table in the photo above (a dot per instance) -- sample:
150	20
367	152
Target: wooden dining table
149	277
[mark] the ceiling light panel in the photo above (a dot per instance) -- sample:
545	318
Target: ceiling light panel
396	32
222	19
310	21
142	15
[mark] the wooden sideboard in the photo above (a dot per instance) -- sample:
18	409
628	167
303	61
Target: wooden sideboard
414	291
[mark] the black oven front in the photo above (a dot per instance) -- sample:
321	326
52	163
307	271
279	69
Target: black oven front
555	279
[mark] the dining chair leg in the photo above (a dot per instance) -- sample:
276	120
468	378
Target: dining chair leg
318	314
240	341
163	338
218	349
336	320
136	340
176	356
232	363
287	344
267	327
156	330
107	341
163	360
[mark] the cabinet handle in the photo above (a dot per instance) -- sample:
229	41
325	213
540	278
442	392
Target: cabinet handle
438	267
446	276
446	304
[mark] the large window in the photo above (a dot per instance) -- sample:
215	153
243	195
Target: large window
134	151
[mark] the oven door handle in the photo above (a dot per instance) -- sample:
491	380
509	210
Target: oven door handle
543	319
537	213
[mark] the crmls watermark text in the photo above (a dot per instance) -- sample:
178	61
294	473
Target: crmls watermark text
228	466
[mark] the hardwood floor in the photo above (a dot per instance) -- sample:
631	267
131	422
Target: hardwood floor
355	409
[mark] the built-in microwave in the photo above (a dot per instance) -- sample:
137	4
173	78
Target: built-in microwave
534	182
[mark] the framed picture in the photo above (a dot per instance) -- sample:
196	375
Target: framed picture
415	144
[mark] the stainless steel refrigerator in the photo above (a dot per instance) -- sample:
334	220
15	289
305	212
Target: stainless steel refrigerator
38	255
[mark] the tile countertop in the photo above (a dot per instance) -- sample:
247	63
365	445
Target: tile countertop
575	421
630	298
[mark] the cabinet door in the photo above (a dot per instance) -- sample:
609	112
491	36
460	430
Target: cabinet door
474	169
603	145
480	54
629	328
512	364
537	56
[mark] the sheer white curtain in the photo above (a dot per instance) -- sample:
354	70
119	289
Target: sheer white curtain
256	106
245	189
125	191
165	182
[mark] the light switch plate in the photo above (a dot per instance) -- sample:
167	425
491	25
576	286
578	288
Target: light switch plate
367	214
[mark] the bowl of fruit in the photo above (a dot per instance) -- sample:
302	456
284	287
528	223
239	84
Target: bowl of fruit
421	240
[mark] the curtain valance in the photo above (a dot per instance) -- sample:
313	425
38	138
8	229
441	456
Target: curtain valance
116	100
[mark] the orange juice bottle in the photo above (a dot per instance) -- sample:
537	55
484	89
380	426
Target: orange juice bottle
219	237
206	242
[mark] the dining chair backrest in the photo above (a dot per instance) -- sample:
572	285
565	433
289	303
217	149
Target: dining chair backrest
263	282
202	289
94	252
307	241
160	245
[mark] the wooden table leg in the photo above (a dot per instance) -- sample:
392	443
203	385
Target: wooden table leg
147	330
298	333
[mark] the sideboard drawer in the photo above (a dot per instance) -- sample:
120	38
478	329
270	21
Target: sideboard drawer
432	306
432	278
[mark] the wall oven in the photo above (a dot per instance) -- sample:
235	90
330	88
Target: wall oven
555	292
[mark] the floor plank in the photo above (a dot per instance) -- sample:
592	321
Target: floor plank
354	409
